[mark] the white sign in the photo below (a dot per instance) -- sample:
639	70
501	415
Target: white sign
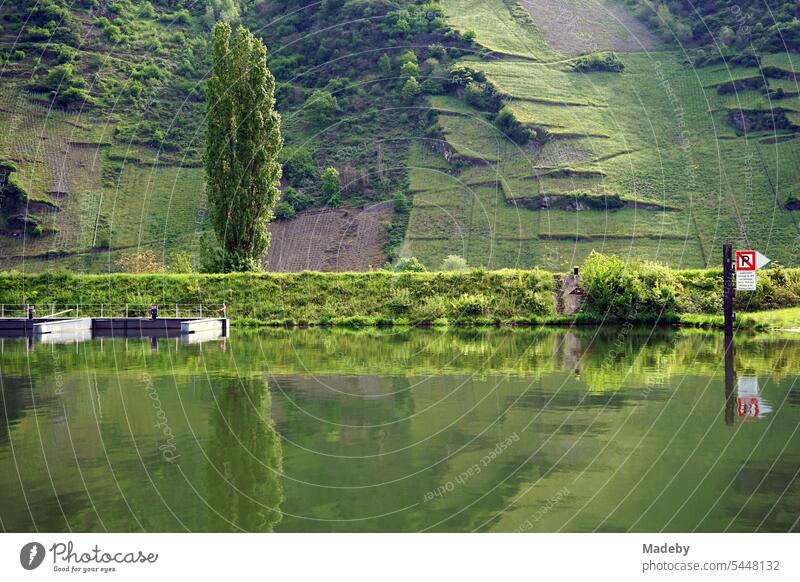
750	260
746	280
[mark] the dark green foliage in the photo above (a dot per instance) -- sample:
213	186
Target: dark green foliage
297	200
507	122
411	89
397	229
12	196
461	75
331	189
605	61
385	64
243	142
483	96
284	210
767	25
321	107
298	167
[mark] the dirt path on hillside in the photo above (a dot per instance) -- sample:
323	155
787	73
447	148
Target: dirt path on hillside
330	240
575	26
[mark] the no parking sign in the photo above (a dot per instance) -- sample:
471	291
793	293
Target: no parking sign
747	262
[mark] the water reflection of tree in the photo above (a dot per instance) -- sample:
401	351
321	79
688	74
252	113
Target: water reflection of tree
245	492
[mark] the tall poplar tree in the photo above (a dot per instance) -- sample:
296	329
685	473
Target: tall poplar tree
243	141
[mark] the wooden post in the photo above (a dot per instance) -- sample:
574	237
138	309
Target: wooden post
727	287
730	379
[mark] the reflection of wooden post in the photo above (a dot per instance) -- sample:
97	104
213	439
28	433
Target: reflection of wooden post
727	287
730	378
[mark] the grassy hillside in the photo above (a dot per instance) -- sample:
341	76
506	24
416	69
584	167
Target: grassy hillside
665	159
622	127
105	105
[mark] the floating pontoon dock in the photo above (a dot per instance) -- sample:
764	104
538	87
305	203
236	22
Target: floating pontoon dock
114	326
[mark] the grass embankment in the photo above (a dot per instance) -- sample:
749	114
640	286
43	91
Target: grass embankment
640	293
354	299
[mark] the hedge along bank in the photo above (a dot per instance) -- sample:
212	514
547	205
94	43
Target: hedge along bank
379	297
639	292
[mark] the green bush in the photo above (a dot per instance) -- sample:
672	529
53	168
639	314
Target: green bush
298	166
508	123
604	61
409	265
482	96
633	291
284	210
470	305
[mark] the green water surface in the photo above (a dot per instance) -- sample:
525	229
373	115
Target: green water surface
418	430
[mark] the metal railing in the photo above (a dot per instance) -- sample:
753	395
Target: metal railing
46	310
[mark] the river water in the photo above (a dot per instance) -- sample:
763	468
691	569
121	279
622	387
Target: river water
418	430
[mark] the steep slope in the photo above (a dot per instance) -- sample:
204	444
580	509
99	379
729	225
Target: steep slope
645	153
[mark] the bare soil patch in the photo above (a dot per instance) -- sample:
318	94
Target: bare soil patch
575	26
330	240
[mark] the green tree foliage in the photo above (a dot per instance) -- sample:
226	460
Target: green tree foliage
482	96
243	142
508	123
385	64
411	89
298	167
330	187
461	75
284	210
628	291
409	69
322	107
409	265
604	61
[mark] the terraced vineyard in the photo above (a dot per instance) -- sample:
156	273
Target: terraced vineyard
662	161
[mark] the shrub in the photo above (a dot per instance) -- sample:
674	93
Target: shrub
634	291
74	96
113	33
482	96
410	69
284	210
18	55
512	127
454	263
461	75
604	61
321	107
298	166
437	51
298	200
409	265
385	64
470	305
182	263
411	89
331	187
37	33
